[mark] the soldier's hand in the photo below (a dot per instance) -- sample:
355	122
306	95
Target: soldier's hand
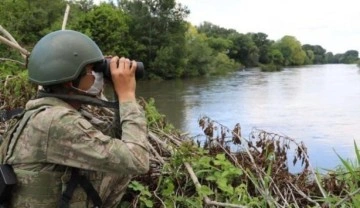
123	77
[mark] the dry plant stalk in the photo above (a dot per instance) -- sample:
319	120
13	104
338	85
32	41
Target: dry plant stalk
12	42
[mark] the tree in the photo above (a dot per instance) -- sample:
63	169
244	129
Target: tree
291	50
107	26
350	57
276	56
28	21
338	58
158	25
263	44
215	31
309	59
198	54
318	53
244	49
329	58
219	44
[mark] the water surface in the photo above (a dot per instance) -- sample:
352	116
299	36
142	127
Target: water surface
318	104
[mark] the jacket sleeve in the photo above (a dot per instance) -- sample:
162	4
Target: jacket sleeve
74	142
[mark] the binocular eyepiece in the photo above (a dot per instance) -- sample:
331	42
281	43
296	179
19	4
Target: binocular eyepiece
104	67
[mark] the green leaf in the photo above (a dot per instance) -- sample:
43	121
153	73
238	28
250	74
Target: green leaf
346	164
136	186
205	191
147	202
357	152
220	157
211	178
169	188
205	161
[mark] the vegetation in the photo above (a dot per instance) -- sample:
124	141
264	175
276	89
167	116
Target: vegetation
156	33
222	169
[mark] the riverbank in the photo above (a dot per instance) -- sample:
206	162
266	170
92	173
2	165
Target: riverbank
316	104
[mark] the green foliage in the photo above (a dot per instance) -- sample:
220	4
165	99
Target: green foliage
27	20
264	45
342	184
198	54
276	56
220	179
144	195
270	67
215	31
329	58
156	33
291	50
158	28
15	89
244	50
315	54
220	45
220	171
350	57
221	64
154	118
164	62
108	27
8	68
309	59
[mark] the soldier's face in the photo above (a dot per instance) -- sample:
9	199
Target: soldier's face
88	79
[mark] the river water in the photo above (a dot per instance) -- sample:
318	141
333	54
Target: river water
318	105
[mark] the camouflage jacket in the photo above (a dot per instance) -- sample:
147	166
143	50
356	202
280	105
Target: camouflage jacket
58	137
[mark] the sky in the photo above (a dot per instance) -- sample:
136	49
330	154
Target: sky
334	25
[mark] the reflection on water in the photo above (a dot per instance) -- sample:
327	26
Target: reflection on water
319	105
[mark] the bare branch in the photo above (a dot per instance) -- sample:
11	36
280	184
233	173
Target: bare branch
347	198
65	17
7	59
8	35
14	45
11	38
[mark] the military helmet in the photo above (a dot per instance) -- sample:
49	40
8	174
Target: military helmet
60	57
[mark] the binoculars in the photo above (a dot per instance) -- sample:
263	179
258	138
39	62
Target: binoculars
104	67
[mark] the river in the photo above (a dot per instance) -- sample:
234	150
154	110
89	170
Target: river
318	105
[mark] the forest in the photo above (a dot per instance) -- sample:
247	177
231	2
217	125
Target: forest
157	33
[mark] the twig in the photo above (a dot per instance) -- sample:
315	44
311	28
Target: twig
206	199
162	202
293	197
347	197
14	45
65	17
304	195
12	60
8	35
157	140
177	142
11	38
157	155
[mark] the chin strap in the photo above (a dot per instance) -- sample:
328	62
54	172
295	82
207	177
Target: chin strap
80	98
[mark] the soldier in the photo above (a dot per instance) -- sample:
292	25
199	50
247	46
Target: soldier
59	157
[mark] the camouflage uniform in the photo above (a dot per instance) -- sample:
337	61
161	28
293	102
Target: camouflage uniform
57	137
